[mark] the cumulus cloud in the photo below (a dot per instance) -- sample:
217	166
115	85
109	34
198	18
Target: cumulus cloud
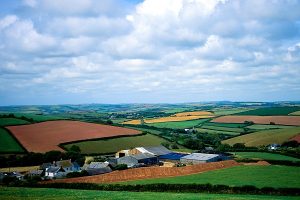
150	51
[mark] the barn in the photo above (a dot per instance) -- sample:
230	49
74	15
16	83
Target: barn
197	158
154	150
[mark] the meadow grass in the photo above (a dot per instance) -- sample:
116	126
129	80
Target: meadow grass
259	176
263	156
14	193
12	121
265	137
113	145
8	143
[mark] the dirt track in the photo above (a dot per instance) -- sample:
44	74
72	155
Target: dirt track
46	136
150	172
282	120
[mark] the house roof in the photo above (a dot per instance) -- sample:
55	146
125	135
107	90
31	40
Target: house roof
45	165
35	172
142	156
94	171
154	150
55	169
64	163
200	156
97	165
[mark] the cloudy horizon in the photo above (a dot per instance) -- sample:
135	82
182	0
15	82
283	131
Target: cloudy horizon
171	51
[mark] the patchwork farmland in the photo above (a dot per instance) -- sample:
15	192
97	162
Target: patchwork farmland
46	136
281	120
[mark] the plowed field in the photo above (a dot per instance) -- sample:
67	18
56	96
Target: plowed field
46	136
283	120
150	172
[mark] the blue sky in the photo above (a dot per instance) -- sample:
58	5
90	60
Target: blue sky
111	51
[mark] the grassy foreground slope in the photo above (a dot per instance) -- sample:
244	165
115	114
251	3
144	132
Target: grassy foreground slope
8	143
67	194
263	156
259	176
116	144
265	137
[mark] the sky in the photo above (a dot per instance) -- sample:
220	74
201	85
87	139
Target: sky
152	51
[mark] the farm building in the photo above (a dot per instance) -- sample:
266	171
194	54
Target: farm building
136	160
172	156
95	168
196	158
55	172
67	165
122	153
156	150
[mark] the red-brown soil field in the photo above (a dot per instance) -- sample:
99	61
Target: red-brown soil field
296	138
149	172
282	120
46	136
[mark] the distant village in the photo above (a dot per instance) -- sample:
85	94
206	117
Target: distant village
124	159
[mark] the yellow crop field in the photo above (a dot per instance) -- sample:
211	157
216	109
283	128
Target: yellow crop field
295	113
195	113
168	119
19	169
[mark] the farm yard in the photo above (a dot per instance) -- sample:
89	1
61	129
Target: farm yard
46	136
265	137
14	193
281	120
259	176
103	146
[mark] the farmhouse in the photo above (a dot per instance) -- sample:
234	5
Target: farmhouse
67	165
55	172
196	158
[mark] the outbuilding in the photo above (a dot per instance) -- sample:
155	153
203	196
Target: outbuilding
197	158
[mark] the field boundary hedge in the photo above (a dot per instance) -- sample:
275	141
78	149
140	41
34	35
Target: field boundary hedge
161	187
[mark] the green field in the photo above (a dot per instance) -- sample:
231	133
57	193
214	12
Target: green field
266	126
259	176
229	111
271	111
220	128
114	145
8	143
10	193
202	130
263	156
179	125
12	121
39	118
229	125
295	113
265	137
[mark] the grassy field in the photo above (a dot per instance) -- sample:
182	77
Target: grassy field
265	137
259	176
229	111
19	169
266	126
295	113
263	156
12	121
179	125
39	118
114	145
220	128
271	111
229	125
202	130
68	194
8	143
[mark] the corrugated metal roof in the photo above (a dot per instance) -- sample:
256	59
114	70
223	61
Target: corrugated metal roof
172	156
143	156
200	156
97	165
156	150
